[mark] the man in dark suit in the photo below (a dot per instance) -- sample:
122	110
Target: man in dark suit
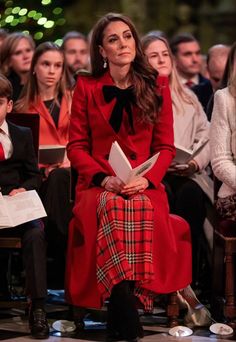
188	59
19	172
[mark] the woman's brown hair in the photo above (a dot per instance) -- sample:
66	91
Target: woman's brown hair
180	94
30	91
229	77
143	77
8	48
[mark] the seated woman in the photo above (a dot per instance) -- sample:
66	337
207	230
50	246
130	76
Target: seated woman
184	182
15	59
223	140
123	244
46	94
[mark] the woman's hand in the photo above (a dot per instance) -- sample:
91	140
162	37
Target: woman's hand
16	191
137	185
184	170
113	184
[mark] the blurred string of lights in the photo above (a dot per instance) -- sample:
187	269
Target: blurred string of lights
42	23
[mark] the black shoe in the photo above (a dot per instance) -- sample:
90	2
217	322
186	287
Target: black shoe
79	325
38	324
78	317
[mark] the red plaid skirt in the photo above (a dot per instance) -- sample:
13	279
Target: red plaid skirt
124	241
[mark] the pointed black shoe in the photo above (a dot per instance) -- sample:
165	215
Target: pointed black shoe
78	317
38	324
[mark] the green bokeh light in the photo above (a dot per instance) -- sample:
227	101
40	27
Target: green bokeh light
49	24
9	19
31	14
23	11
9	3
16	10
14	22
46	2
37	16
42	21
8	11
57	10
38	35
2	23
58	41
22	19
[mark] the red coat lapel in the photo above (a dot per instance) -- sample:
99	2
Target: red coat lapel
106	108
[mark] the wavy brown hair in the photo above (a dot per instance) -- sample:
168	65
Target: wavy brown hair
142	76
178	90
229	77
8	48
30	92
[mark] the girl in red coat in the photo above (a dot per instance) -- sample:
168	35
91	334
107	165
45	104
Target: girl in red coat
123	244
46	94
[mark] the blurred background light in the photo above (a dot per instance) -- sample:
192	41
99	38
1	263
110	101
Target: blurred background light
42	21
49	24
23	11
38	35
16	10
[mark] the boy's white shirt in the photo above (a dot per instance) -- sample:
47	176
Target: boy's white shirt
6	140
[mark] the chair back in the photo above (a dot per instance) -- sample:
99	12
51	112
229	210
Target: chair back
27	120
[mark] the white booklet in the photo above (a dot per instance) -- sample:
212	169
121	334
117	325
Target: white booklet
183	155
51	154
20	208
122	167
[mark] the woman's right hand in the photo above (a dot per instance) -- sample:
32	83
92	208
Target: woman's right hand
114	184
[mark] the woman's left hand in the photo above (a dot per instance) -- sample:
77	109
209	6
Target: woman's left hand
189	171
137	185
16	191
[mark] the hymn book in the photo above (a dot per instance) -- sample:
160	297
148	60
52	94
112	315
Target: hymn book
184	155
122	167
51	154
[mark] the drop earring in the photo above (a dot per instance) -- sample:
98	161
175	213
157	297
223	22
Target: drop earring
104	63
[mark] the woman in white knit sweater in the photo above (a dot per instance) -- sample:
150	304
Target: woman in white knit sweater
186	196
223	140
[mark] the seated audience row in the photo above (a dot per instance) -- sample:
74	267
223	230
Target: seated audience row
126	98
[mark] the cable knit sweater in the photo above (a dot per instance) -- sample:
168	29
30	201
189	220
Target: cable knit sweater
223	141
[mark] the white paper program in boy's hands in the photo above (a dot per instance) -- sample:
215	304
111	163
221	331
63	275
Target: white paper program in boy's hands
20	208
122	167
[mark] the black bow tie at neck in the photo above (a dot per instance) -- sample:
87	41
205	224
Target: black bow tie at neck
124	99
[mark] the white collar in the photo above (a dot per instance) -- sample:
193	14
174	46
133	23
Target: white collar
4	128
194	79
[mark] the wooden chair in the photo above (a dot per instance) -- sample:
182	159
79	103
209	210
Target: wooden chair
223	268
14	243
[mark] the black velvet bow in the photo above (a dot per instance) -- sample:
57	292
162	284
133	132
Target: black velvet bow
124	99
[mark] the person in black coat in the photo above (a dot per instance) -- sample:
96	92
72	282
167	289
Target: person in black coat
19	172
188	60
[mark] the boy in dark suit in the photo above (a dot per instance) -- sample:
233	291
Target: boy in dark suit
19	172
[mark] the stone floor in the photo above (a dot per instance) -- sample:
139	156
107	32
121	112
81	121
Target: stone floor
14	325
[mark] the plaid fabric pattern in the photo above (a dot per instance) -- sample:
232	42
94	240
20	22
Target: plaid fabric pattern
124	242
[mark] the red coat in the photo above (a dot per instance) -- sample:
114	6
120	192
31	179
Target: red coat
49	134
90	140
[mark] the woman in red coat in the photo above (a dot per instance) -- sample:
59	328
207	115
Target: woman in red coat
122	242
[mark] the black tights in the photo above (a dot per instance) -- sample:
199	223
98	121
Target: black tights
123	318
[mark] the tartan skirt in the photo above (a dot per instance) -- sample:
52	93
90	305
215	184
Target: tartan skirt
124	242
